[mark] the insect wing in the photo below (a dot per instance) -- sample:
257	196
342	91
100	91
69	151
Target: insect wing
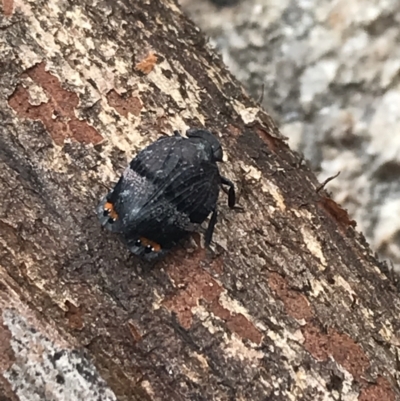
195	193
177	161
158	160
187	197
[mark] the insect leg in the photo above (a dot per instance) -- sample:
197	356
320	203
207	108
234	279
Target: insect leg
211	226
231	191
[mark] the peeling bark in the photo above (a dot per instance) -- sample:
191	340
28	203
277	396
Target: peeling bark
289	305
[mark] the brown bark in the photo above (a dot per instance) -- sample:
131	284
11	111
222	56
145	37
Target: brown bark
290	305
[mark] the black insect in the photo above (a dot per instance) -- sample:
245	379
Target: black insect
166	192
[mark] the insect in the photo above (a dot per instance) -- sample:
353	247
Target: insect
166	192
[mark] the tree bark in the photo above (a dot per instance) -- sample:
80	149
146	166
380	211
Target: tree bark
290	304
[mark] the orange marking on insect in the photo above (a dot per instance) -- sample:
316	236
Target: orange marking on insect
109	207
154	245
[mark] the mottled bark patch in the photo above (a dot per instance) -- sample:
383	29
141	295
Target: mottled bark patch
135	333
296	304
336	213
8	7
234	130
319	343
340	346
147	64
236	322
272	142
195	284
74	315
381	391
58	114
124	105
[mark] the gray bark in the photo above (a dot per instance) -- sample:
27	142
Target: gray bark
290	304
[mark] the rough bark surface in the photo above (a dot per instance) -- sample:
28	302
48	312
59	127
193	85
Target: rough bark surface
289	305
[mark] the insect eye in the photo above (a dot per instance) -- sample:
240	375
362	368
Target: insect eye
138	242
148	249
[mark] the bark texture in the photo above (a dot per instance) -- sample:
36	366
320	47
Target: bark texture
290	305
